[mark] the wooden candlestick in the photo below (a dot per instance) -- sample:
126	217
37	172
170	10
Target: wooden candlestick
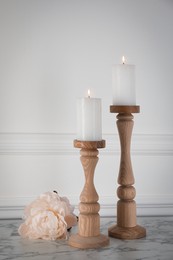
126	227
89	220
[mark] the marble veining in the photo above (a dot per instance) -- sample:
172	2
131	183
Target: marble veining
158	245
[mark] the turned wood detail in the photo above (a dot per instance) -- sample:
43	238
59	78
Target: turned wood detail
126	227
89	219
126	192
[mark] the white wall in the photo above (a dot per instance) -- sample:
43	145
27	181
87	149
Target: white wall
51	51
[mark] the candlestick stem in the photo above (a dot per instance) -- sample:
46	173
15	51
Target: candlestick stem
89	220
126	227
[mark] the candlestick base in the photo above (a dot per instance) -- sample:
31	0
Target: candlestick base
127	233
88	242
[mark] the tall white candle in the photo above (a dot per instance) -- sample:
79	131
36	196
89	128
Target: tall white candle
123	84
89	124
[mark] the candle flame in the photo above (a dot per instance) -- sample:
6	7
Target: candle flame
123	60
89	93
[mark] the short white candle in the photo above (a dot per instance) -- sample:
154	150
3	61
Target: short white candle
123	84
89	124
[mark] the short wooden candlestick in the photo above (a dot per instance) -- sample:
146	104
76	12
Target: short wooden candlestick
89	220
126	227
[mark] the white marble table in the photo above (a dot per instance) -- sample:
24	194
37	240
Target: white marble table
158	245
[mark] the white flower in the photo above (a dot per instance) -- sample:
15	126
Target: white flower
48	217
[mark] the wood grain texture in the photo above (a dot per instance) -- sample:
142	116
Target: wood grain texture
88	242
124	109
126	192
125	127
126	213
89	219
89	144
127	233
89	160
126	227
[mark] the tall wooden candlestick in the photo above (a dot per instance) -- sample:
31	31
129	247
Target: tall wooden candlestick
88	235
126	227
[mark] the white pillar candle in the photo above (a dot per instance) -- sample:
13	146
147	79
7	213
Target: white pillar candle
89	125
123	84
